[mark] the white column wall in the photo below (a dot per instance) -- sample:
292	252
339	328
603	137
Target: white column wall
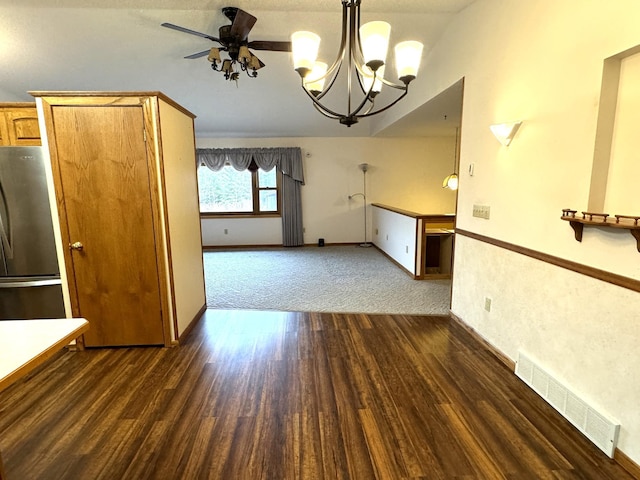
395	235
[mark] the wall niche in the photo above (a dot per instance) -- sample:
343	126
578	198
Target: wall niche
613	202
616	160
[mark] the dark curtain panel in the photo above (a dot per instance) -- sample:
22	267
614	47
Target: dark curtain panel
292	179
287	160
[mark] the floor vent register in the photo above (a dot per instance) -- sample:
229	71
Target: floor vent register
595	426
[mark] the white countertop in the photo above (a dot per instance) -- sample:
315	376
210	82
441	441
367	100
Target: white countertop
25	344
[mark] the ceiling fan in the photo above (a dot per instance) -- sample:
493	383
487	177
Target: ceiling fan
234	40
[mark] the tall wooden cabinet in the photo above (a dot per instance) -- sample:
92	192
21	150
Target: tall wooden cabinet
19	124
124	173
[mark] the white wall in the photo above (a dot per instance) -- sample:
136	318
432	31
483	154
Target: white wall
541	62
405	173
395	234
241	231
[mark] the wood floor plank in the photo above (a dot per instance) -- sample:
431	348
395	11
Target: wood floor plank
291	396
483	463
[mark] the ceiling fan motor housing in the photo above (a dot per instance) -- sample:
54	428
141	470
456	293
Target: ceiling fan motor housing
230	12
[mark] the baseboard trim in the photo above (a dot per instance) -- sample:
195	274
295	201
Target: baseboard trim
625	462
619	457
510	364
239	247
401	267
194	321
273	246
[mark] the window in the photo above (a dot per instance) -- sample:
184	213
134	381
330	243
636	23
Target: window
232	192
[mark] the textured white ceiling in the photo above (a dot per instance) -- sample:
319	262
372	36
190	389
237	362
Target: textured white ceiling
414	6
120	45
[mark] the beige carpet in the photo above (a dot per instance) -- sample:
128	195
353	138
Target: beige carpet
345	279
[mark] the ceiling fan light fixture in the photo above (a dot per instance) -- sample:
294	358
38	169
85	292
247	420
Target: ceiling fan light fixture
233	39
304	46
255	63
243	54
214	55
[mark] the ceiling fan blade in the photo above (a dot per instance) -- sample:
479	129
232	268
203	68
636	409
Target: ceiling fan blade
242	24
267	45
192	32
199	54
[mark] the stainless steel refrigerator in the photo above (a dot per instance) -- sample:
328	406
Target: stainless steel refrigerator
30	284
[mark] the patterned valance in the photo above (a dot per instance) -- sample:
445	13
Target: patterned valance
287	159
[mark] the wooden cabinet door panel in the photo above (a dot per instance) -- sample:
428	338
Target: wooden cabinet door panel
4	131
102	165
22	124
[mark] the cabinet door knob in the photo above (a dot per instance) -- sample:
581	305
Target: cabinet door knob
76	246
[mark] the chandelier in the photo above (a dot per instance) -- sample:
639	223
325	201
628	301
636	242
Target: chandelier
364	50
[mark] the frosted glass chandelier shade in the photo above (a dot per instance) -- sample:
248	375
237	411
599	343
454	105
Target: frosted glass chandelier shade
374	41
408	55
304	46
367	79
316	77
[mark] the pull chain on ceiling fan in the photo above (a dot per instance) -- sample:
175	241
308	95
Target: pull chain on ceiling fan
233	39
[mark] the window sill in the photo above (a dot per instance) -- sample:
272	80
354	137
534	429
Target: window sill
239	215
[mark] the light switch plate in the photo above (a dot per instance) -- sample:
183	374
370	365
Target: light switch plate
482	211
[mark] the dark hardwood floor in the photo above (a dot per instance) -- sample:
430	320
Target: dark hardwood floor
266	395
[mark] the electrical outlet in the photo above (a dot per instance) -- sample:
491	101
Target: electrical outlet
482	211
487	304
226	232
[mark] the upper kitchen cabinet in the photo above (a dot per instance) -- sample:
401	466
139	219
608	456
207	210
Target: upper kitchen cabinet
19	124
124	173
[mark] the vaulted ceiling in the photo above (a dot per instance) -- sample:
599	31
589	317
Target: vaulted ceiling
119	45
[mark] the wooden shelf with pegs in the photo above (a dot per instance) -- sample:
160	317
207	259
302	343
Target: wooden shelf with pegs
596	219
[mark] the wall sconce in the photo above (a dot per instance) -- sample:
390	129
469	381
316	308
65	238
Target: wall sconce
505	132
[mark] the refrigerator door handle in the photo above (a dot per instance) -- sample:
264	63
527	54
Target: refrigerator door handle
4	240
31	283
5	217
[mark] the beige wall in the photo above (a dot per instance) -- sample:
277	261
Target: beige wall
181	195
541	62
403	172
